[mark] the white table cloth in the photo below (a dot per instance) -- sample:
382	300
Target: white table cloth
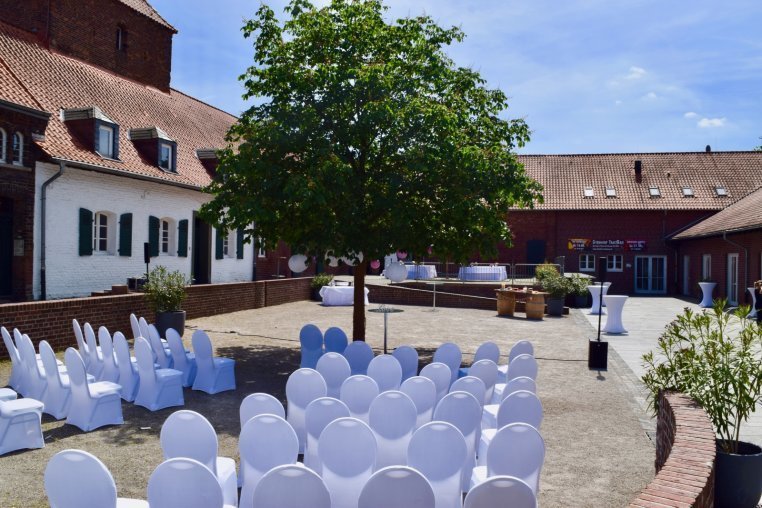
753	313
340	295
614	305
482	273
595	292
706	293
421	272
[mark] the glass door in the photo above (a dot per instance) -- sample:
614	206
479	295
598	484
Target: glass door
651	274
732	279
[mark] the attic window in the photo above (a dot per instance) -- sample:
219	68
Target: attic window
589	192
688	192
94	128
155	145
610	191
721	191
166	156
654	192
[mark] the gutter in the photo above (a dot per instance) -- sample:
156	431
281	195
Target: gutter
746	260
43	198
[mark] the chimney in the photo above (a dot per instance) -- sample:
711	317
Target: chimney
638	171
708	149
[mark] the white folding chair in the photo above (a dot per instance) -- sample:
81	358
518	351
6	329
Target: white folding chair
522	347
335	370
20	425
347	452
423	393
335	340
392	418
162	353
319	413
182	360
440	374
110	367
291	487
129	378
486	370
518	407
386	371
486	351
302	387
464	411
259	404
213	374
135	326
76	478
357	392
184	483
501	492
57	396
359	354
472	385
95	366
84	350
95	404
438	451
16	379
311	341
266	441
188	434
408	358
516	450
521	383
158	388
397	486
449	354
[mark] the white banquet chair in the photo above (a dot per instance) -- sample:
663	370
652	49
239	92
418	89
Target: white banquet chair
423	393
182	360
336	340
110	367
162	354
522	347
392	418
521	383
439	373
302	387
143	326
266	441
357	392
408	358
438	451
472	385
135	326
523	365
95	365
464	411
256	404
335	370
486	351
516	450
311	341
213	374
359	355
486	370
501	492
449	353
518	407
84	350
7	394
386	371
399	487
34	384
183	482
158	388
319	413
20	425
57	396
291	486
188	434
347	452
15	380
129	378
94	404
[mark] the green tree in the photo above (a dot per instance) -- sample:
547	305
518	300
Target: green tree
759	148
366	138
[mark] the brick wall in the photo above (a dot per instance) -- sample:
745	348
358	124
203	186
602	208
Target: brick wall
685	454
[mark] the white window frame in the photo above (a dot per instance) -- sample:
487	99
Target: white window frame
3	144
20	160
167	225
169	147
614	263
103	233
706	266
110	153
584	262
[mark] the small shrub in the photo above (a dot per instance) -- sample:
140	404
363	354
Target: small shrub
320	280
165	290
545	270
557	286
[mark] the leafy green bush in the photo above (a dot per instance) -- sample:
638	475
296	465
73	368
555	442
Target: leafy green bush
165	290
320	280
557	286
545	270
578	285
716	359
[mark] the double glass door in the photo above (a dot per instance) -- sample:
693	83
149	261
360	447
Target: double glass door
651	274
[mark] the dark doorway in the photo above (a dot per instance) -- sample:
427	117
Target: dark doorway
535	252
202	251
6	247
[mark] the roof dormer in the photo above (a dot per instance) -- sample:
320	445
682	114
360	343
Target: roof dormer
209	159
156	147
94	129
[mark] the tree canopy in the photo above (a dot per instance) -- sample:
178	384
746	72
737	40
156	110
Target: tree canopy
365	137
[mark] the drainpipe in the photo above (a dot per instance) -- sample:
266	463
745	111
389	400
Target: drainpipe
746	261
43	196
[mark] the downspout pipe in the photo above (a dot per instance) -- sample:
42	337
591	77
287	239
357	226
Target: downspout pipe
43	199
745	257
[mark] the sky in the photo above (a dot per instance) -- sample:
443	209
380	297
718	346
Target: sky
588	76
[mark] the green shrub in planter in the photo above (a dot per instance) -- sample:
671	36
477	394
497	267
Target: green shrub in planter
320	280
165	290
544	271
557	286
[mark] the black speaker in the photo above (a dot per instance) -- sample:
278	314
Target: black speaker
146	253
603	268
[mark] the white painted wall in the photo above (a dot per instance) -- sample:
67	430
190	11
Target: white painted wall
69	274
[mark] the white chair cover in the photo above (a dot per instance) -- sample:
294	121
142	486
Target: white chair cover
84	351
522	365
34	384
266	441
128	368
335	340
303	386
7	394
516	450
319	413
291	487
386	371
95	365
464	411
161	353
520	348
347	452
15	381
486	351
184	483
20	425
57	397
135	326
501	492
518	407
335	370
158	388
188	434
472	385
76	478
93	405
438	451
423	392
359	354
143	325
213	374
440	374
449	353
110	366
182	360
486	370
408	358
311	340
256	404
357	392
399	487
521	383
392	418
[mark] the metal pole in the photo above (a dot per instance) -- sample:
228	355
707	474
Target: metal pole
386	319
600	311
435	297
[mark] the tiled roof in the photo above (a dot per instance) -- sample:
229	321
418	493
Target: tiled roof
565	177
58	82
12	90
144	8
744	214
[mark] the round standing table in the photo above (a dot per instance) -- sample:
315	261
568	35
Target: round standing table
706	293
434	304
753	313
385	311
595	292
614	304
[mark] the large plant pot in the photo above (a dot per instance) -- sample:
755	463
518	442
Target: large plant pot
315	294
555	306
738	477
580	301
173	319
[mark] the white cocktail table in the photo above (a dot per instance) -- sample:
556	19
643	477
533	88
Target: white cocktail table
614	304
753	313
595	292
706	293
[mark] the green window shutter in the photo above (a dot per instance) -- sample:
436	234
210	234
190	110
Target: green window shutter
239	243
85	232
182	238
125	234
218	244
153	235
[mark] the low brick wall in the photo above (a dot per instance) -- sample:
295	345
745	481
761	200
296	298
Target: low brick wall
685	455
51	320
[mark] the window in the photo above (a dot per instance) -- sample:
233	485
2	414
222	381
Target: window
165	157
226	245
261	252
706	267
721	191
18	148
589	192
587	262
166	247
106	141
610	191
3	141
119	39
100	232
614	262
688	192
654	192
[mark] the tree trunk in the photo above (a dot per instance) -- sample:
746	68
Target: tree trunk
358	315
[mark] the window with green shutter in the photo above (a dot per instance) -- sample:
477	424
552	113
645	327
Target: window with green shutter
182	238
239	244
218	247
125	234
153	235
85	232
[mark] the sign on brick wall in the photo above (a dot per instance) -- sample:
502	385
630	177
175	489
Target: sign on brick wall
608	245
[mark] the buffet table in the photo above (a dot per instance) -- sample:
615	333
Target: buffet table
340	295
421	272
482	273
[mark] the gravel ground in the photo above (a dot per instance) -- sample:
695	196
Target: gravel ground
597	453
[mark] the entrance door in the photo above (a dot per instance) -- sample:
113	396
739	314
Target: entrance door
686	275
651	274
732	279
535	252
6	247
202	251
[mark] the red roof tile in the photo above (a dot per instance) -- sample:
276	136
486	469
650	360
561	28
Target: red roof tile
144	8
745	214
12	90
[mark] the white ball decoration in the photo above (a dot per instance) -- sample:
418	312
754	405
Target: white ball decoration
350	261
333	261
297	263
396	272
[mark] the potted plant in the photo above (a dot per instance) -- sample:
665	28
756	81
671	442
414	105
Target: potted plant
165	293
578	286
716	358
318	281
544	271
557	286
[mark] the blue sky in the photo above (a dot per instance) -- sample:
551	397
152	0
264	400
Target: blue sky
588	76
